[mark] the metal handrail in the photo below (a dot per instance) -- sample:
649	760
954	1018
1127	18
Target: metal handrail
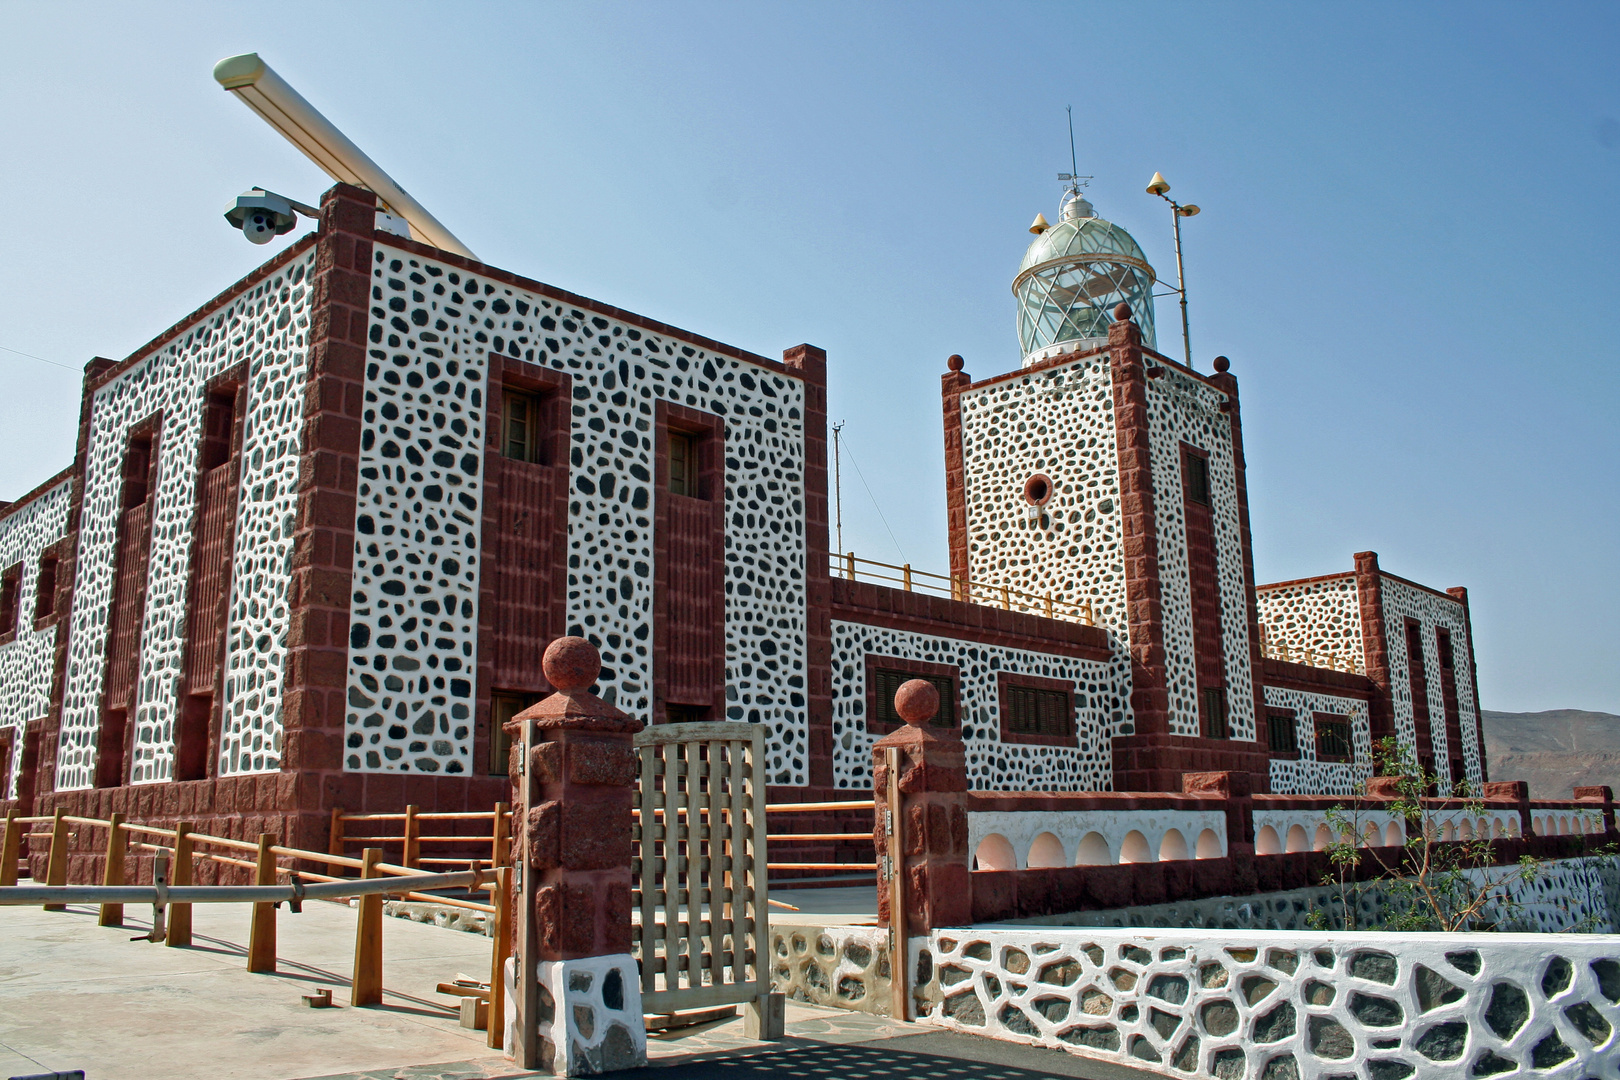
17	895
983	593
1309	657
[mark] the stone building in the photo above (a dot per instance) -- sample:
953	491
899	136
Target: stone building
316	534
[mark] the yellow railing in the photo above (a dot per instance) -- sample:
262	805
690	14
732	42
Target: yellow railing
1003	596
1310	657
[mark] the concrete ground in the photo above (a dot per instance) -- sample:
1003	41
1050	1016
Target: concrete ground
74	995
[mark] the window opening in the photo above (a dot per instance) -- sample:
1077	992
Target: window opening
1033	710
887	681
137	471
683	464
1281	734
1196	469
522	427
1333	737
10	599
219	423
503	706
45	588
1215	713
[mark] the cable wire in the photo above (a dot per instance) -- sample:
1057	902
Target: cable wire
845	440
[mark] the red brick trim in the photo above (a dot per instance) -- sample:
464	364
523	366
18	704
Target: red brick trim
1285	674
1460	594
1304	581
551	292
1150	698
1006	680
23	500
809	364
1156	761
328	481
16	597
712	488
910	667
1375	645
252	278
506	371
919	613
951	385
1068	358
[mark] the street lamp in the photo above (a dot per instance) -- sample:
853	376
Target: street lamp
1160	187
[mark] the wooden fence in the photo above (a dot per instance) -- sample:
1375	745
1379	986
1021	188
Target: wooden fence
185	847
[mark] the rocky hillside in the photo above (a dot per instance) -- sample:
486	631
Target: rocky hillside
1554	750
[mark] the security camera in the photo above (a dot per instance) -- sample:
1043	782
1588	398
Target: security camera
263	215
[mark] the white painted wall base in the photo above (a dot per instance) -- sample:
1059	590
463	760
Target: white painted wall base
590	1015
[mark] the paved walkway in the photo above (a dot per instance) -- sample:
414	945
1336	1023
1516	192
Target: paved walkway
74	995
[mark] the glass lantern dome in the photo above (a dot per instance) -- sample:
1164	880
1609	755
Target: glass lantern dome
1073	276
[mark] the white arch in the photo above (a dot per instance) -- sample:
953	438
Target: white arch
1209	845
1466	832
1297	840
1371	837
1497	829
1448	832
1134	848
1393	837
1324	837
1046	851
1563	826
1093	851
1267	842
1173	847
995	853
1482	829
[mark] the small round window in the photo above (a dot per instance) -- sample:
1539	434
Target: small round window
1037	489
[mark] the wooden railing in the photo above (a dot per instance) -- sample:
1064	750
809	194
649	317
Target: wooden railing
776	835
183	848
1274	650
986	594
378	829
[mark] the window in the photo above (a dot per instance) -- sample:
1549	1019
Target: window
1214	702
45	589
137	470
1333	737
1195	467
1032	710
685	714
882	684
520	420
683	464
503	706
1281	734
219	422
10	599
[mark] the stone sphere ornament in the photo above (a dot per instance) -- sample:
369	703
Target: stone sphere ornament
571	664
917	701
1122	312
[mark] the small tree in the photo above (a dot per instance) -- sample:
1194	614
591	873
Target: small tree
1432	885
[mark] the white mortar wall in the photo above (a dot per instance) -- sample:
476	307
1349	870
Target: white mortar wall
429	315
1402	601
1323	616
268	327
28	662
1184	409
992	765
1308	775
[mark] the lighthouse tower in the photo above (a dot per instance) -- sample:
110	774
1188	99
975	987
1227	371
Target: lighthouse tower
1110	478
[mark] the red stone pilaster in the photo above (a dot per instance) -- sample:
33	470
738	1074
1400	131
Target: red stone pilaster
1375	645
931	817
323	541
810	365
1514	791
1473	674
951	385
1238	791
1225	381
1603	795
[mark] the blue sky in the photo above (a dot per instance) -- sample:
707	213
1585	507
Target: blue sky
1407	247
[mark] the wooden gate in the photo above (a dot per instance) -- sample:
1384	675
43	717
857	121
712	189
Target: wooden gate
699	888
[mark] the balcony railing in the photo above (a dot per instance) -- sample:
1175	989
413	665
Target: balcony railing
985	593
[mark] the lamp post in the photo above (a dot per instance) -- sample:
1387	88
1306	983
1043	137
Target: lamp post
1160	187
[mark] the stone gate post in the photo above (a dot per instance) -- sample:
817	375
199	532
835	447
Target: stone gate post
574	994
931	818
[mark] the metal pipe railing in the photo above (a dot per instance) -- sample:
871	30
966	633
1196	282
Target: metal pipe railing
297	892
983	593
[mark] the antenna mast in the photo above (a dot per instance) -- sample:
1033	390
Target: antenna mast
1072	178
838	487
